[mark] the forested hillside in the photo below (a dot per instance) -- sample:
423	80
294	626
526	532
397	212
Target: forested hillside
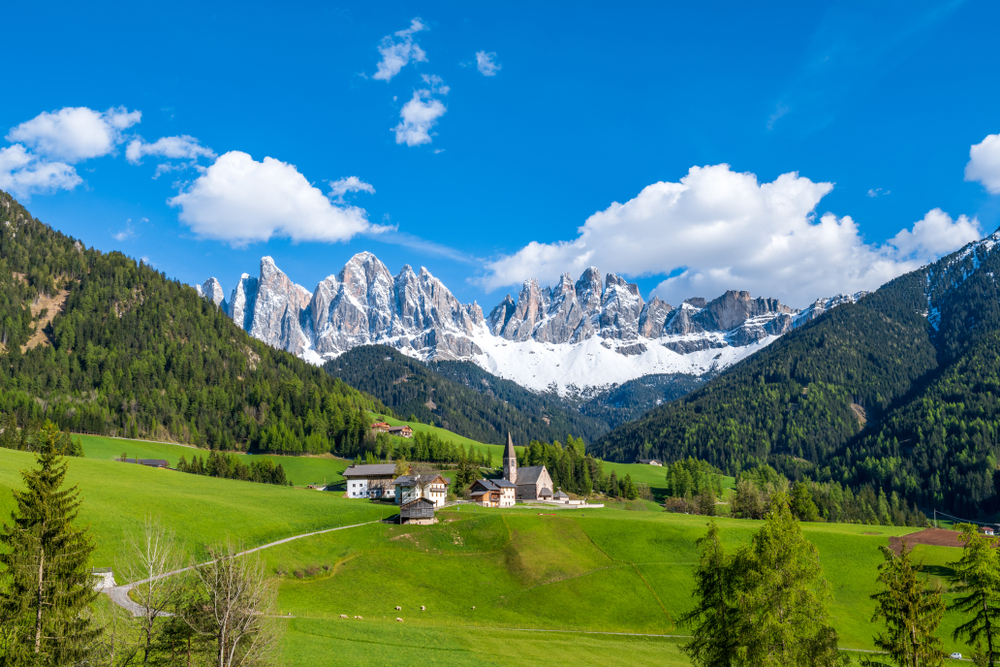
634	398
899	389
130	352
460	397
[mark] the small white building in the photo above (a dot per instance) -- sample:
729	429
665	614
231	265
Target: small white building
370	481
431	486
650	462
493	493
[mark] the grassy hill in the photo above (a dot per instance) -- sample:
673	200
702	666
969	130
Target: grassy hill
539	580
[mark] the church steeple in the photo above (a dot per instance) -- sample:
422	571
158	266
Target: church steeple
510	461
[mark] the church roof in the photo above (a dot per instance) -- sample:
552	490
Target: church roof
508	452
529	475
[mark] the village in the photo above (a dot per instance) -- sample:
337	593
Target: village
419	495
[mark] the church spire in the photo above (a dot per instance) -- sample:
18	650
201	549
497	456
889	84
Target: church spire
510	461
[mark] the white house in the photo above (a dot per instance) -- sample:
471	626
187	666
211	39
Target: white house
370	481
432	486
493	493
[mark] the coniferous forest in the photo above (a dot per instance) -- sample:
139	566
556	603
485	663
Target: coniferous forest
132	353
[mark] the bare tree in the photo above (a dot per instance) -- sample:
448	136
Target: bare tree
150	561
237	609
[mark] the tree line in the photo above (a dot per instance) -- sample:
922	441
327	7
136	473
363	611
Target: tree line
229	466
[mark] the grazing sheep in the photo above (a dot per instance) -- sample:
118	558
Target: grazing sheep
422	607
343	615
398	608
473	608
398	619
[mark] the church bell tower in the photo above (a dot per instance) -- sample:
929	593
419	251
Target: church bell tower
510	461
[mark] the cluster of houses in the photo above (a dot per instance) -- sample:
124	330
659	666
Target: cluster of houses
419	495
403	431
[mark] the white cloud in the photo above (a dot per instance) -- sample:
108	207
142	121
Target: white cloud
487	63
436	84
984	164
342	186
399	50
73	134
182	147
241	201
718	229
418	116
24	174
878	192
125	234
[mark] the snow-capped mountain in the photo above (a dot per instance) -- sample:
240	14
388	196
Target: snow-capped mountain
571	338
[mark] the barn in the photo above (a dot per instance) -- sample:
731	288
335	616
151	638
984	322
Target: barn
419	511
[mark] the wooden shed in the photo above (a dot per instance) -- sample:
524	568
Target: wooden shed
419	511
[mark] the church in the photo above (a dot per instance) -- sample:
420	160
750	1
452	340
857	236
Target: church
532	482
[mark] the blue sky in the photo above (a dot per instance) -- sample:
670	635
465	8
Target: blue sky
485	170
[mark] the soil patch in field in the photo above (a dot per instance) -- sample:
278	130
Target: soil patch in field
938	537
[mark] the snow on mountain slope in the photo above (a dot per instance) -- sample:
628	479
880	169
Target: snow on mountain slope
573	338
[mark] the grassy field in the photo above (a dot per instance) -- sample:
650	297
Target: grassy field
543	580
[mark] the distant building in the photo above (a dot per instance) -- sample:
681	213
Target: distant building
532	482
152	463
419	511
651	462
986	530
431	486
560	497
493	493
380	427
402	431
370	481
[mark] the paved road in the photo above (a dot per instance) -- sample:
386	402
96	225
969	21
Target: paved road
119	594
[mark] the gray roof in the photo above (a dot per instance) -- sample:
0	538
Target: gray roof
545	492
559	494
418	500
413	480
488	484
503	484
375	470
508	452
529	475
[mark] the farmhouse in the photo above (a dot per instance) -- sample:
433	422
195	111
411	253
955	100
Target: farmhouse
532	482
402	431
431	486
650	462
380	427
370	481
419	511
987	530
493	493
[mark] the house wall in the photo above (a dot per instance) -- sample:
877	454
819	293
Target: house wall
379	487
438	493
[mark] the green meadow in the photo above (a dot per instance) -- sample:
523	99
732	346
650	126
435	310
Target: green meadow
549	587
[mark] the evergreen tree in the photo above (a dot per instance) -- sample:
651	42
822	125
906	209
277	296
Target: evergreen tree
714	643
47	589
781	598
977	582
911	613
803	506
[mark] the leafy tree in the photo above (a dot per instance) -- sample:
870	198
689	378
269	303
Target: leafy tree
977	582
47	590
803	506
910	611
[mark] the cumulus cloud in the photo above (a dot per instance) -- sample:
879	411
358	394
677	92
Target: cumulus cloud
417	117
399	50
984	164
125	234
718	229
73	134
342	186
487	63
183	147
24	174
241	201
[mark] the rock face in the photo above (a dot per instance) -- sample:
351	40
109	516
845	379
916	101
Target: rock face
415	312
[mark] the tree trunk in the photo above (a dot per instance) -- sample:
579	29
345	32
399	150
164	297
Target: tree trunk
38	611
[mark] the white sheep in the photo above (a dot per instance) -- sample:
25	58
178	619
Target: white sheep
399	620
398	608
422	608
343	615
473	608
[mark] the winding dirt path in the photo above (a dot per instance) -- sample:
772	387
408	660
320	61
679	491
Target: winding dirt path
119	594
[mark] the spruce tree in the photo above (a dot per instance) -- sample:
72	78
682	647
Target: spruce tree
977	577
714	643
46	589
911	613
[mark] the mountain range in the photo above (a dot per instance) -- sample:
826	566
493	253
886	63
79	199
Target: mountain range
574	339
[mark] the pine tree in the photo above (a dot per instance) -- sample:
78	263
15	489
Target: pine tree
781	597
47	590
911	612
714	643
977	577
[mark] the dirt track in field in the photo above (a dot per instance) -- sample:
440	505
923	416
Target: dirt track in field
938	537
